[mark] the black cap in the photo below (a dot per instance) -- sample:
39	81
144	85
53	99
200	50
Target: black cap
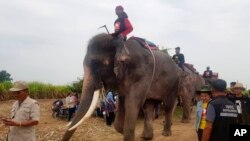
232	83
219	85
178	48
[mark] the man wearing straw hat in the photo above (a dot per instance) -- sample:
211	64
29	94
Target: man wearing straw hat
25	114
242	103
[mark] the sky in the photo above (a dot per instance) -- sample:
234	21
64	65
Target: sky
46	40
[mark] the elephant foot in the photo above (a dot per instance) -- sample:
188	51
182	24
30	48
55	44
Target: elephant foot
148	136
185	121
166	133
118	128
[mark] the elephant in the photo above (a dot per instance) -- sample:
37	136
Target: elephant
142	77
191	81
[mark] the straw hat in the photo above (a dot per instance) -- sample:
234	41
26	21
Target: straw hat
18	86
239	85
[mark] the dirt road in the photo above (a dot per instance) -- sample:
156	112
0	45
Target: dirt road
52	129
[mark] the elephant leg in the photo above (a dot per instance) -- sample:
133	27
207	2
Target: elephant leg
169	105
149	114
186	107
120	114
131	114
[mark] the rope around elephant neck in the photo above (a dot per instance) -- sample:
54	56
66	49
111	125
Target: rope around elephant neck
153	68
126	50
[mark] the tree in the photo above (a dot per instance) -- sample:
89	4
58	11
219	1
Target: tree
165	50
77	86
5	76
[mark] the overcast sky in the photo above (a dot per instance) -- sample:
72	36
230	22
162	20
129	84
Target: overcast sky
45	40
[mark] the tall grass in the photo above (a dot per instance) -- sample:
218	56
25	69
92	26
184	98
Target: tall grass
4	90
37	90
40	90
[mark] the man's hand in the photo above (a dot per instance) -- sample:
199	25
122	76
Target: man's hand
9	122
207	131
2	118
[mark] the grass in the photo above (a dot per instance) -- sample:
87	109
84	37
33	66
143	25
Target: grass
37	90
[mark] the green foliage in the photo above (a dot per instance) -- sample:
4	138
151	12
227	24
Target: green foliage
4	90
37	90
178	112
77	86
40	90
164	50
5	76
246	92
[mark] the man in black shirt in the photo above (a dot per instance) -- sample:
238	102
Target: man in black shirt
221	112
179	58
208	73
242	103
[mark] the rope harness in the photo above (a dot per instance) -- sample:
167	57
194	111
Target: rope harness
153	74
119	57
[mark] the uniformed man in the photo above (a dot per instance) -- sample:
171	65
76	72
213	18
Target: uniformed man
25	114
242	103
221	112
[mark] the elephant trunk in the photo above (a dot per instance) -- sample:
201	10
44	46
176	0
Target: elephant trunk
87	105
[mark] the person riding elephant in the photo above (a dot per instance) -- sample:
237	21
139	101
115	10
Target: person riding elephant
122	24
145	79
179	58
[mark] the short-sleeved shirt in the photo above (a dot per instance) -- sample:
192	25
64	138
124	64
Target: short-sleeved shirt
180	57
243	108
208	74
203	116
26	111
71	101
110	104
221	112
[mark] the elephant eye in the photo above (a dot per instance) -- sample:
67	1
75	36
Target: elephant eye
95	63
105	62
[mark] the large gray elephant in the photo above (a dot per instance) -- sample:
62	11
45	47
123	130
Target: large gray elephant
142	77
190	82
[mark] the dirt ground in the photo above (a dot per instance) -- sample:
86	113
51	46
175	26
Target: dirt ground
94	129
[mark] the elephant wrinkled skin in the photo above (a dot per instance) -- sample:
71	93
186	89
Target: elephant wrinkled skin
141	83
190	82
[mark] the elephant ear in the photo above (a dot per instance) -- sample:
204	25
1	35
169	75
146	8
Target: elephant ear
122	58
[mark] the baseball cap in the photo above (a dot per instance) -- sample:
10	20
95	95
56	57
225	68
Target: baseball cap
219	85
18	86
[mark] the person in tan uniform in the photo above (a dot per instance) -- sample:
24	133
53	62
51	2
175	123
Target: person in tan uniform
71	105
25	114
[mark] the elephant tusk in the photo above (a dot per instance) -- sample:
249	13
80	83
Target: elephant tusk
69	123
89	112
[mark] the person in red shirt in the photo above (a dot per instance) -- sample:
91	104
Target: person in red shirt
122	24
